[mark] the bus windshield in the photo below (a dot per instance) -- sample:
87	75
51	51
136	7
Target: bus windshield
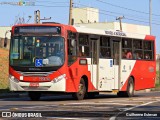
37	51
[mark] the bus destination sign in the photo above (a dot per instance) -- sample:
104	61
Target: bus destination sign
37	29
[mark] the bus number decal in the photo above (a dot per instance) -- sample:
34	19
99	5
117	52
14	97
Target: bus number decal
44	79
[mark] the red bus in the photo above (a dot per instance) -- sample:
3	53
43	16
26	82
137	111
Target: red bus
52	57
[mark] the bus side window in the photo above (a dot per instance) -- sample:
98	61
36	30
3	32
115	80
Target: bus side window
148	50
138	49
72	47
127	48
83	47
105	48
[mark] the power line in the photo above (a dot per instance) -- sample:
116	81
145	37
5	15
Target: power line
125	17
50	1
50	6
126	8
117	13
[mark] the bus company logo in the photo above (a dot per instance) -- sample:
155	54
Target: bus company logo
124	69
33	69
116	33
151	69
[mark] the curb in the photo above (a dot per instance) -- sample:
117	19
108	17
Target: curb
13	95
155	89
25	94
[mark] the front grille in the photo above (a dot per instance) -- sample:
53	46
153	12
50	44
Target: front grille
35	73
36	88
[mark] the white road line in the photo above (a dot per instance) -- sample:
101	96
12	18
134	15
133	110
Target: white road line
4	110
100	104
44	106
114	117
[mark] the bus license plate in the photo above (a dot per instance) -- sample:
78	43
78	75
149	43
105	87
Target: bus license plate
34	85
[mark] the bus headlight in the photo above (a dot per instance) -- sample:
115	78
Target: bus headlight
59	78
13	79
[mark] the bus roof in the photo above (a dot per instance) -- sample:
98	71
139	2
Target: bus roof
82	29
68	27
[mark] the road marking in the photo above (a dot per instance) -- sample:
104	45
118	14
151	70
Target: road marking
40	106
99	104
126	109
14	108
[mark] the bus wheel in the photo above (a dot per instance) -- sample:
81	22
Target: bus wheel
81	91
34	96
130	88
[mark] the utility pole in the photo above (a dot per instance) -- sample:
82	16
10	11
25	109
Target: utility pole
37	18
70	12
159	68
150	16
120	21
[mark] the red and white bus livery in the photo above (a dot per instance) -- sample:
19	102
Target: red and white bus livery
53	57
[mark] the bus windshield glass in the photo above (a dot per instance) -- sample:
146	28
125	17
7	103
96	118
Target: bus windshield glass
37	51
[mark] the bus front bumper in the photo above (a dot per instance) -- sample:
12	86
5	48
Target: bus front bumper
16	85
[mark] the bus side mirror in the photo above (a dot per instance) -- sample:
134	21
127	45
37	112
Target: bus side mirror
73	42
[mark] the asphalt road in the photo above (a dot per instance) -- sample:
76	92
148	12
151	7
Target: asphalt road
107	106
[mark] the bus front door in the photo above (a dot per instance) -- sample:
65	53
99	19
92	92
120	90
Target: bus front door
116	65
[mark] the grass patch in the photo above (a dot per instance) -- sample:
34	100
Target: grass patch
157	79
4	69
157	85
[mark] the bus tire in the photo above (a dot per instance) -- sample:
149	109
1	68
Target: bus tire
81	91
130	88
34	96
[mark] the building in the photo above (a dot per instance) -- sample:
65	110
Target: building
126	27
5	33
5	30
85	15
89	17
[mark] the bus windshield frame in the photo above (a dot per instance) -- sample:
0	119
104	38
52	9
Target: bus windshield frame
37	53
